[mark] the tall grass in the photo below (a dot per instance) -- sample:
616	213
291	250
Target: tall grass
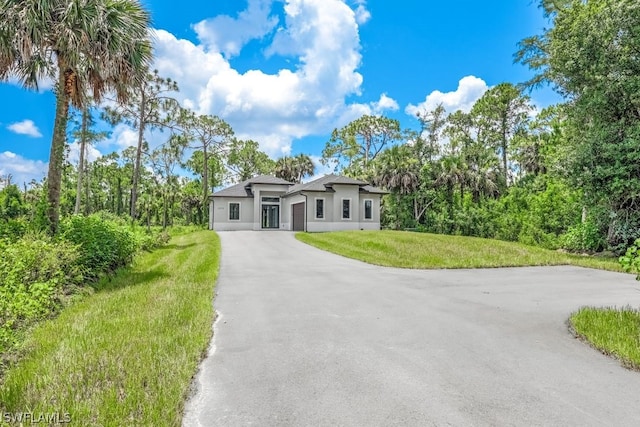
126	354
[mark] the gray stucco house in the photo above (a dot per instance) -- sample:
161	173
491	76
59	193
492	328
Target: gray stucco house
330	203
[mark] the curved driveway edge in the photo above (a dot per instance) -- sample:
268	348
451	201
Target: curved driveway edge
308	338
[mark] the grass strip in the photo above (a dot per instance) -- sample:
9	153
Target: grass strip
613	331
426	251
126	354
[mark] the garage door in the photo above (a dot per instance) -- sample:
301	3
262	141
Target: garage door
298	216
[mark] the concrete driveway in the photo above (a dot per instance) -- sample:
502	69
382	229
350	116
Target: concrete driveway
308	338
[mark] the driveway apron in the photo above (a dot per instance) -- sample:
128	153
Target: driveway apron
308	338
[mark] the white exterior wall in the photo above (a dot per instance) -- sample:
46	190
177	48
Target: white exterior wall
333	210
221	221
251	211
342	192
374	222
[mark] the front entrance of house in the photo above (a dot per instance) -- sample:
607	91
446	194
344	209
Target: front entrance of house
270	216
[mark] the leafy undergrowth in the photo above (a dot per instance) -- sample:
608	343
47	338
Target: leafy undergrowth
423	250
39	274
126	354
613	331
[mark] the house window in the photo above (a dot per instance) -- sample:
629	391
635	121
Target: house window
346	208
368	209
271	200
234	211
319	208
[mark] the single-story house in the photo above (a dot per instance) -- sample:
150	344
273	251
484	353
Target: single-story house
330	203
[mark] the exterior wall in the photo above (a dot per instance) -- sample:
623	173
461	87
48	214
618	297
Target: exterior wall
251	209
265	190
374	222
221	221
312	222
342	192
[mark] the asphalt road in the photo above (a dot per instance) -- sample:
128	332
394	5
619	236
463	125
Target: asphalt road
308	338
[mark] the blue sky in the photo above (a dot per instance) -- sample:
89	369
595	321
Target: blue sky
287	72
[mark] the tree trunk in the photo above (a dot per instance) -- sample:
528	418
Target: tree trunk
165	212
118	206
56	156
136	169
83	145
87	206
205	174
504	151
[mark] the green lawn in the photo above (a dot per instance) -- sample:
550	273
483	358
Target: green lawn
613	331
126	354
422	250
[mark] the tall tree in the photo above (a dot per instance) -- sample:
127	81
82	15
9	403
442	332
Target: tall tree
358	143
590	56
97	46
150	106
245	159
85	136
209	134
501	114
432	124
164	160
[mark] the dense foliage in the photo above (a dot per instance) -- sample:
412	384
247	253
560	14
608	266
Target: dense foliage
39	273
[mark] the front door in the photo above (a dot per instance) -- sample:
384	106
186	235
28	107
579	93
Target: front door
270	216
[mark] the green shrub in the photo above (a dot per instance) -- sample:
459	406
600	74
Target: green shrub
103	244
35	274
13	229
582	237
630	261
149	240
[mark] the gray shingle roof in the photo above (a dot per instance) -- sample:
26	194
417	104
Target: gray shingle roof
322	184
243	189
267	179
373	190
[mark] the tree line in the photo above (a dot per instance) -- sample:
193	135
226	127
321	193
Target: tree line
567	176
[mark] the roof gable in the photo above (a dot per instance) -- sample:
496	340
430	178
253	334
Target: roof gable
326	183
243	189
323	184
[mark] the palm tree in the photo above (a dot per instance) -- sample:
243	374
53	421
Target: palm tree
93	46
285	169
303	167
395	170
294	169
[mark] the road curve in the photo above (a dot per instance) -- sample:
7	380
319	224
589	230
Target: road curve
308	338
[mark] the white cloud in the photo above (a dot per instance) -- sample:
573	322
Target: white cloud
122	136
275	109
385	103
74	153
22	170
362	14
25	127
470	89
229	35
